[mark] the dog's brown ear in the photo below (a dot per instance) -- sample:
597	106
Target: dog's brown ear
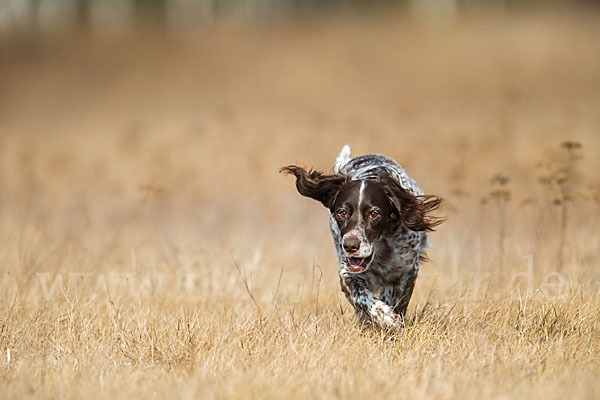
413	210
316	185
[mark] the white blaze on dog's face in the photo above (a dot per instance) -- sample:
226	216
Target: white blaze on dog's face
363	212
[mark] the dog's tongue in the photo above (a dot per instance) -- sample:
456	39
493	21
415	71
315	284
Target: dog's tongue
356	264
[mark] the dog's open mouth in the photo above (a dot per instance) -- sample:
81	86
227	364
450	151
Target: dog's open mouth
358	265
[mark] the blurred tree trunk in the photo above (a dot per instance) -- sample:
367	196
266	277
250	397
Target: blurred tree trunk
150	12
34	15
82	14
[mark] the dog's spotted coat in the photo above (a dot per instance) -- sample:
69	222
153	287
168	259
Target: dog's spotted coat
378	220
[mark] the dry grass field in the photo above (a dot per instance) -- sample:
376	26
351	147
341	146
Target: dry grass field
149	249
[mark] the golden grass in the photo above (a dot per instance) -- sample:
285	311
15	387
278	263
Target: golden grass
136	175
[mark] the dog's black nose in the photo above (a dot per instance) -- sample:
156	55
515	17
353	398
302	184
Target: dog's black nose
351	244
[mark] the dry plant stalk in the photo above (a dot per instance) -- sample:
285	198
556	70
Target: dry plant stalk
500	194
561	182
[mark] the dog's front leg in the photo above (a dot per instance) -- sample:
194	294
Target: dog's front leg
363	299
399	295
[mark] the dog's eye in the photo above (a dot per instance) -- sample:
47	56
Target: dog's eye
374	214
342	213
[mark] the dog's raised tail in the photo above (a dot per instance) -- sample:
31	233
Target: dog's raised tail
342	158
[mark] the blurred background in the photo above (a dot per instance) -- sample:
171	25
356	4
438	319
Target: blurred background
153	131
149	246
175	15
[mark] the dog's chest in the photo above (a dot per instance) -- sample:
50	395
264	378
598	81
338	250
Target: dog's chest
399	260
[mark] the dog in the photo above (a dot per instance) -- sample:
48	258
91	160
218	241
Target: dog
379	219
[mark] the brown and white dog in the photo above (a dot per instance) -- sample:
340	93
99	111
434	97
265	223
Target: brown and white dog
378	218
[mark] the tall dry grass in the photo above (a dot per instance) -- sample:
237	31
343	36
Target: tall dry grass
136	175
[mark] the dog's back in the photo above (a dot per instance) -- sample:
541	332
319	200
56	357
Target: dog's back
371	166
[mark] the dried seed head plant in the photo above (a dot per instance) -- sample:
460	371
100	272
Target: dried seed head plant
500	195
561	180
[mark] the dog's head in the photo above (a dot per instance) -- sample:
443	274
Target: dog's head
365	211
